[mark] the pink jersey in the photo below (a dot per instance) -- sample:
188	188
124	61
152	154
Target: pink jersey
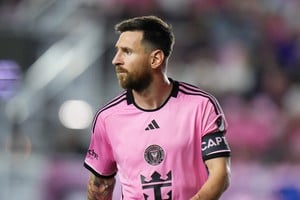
156	153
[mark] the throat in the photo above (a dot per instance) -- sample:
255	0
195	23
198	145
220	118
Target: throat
151	100
149	105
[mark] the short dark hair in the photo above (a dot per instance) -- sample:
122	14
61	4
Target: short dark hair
156	32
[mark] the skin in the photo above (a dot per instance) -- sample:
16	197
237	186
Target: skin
100	188
143	70
218	180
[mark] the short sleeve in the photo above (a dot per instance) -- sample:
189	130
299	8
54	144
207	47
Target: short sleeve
99	158
213	118
214	127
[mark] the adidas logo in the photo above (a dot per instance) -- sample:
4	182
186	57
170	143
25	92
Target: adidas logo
152	125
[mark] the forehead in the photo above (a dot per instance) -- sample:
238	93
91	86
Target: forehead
129	39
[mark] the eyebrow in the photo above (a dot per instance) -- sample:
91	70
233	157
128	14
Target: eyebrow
124	49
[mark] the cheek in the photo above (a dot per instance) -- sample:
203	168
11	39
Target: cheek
142	70
138	66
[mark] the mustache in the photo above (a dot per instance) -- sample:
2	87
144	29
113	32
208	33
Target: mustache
120	70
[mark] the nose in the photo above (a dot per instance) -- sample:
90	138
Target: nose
117	59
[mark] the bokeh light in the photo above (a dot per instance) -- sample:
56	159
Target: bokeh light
10	74
75	114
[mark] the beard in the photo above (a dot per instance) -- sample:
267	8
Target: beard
137	81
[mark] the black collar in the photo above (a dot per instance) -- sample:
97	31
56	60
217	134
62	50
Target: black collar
174	92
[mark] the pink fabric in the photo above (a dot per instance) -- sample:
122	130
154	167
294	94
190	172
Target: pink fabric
173	148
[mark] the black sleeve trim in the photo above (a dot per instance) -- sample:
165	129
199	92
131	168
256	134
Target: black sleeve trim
217	155
97	174
215	145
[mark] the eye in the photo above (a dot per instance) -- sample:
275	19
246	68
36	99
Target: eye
127	51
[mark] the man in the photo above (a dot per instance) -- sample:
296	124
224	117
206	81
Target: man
164	138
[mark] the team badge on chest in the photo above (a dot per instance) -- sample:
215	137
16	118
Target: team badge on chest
154	154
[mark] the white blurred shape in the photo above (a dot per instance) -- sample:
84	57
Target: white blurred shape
75	114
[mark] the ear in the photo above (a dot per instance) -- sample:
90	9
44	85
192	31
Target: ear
157	58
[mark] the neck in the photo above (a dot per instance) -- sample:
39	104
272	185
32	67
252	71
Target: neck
155	95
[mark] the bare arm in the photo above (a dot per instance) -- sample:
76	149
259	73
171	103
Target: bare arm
218	179
100	188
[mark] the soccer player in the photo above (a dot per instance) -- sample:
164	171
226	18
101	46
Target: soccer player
164	138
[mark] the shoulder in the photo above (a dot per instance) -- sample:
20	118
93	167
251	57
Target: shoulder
190	90
113	105
110	108
192	93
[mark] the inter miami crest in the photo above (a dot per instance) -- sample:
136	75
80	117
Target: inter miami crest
154	154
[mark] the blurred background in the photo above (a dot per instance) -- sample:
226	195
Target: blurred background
56	71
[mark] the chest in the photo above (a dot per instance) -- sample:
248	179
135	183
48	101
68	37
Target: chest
134	134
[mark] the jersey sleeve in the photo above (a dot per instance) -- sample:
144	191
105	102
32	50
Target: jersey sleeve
99	158
213	118
214	127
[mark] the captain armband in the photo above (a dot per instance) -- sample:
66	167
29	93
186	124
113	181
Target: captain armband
215	145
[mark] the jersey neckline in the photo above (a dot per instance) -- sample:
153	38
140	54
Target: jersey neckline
174	92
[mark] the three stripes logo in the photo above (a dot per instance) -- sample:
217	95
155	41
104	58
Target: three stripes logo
153	125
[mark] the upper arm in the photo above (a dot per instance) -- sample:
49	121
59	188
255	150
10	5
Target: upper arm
215	145
216	155
219	170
